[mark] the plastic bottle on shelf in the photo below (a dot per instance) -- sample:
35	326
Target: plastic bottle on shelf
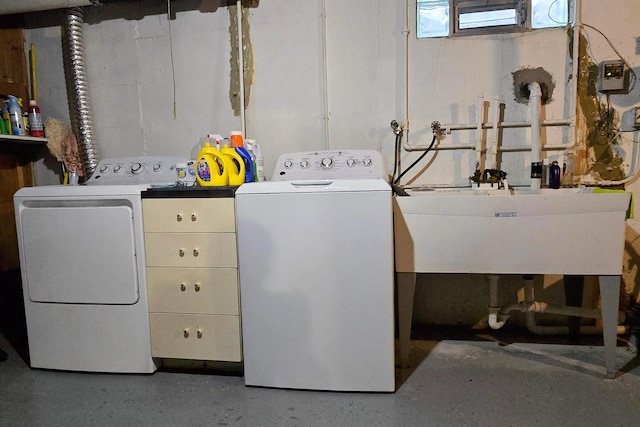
35	120
25	121
237	142
5	123
15	116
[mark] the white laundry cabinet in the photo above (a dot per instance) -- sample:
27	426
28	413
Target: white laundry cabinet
192	275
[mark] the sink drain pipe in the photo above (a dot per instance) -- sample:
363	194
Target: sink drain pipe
498	316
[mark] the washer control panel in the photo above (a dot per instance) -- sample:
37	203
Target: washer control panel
136	170
335	164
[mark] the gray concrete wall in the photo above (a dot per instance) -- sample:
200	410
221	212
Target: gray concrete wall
141	65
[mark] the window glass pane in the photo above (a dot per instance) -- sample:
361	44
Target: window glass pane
549	13
433	18
491	18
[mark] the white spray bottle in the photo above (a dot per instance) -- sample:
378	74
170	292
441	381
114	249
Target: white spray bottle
254	149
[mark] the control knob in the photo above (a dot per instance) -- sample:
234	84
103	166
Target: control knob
367	161
304	164
326	163
137	168
351	163
117	168
104	169
157	167
288	164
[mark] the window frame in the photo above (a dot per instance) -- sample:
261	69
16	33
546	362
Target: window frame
457	7
522	8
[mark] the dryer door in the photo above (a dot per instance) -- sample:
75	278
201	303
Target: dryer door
80	254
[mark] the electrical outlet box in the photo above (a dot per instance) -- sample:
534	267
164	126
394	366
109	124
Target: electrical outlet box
636	120
613	77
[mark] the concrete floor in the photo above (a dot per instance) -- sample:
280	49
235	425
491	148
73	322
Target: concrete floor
478	382
458	377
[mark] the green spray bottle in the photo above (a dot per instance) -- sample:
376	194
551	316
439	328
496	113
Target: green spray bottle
5	123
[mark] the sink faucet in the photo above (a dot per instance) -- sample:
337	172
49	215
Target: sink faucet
490	179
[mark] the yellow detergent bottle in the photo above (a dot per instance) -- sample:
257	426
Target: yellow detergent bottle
236	165
211	167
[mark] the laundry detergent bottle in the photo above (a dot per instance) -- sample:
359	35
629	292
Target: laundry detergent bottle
211	169
237	142
236	165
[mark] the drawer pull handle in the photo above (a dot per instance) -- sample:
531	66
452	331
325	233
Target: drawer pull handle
181	252
179	217
183	287
196	252
186	333
193	217
199	333
197	287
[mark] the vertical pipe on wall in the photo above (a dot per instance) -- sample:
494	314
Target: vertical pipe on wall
405	32
536	158
241	67
79	99
496	134
325	76
479	117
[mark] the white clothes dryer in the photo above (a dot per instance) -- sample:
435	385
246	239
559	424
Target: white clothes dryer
83	268
315	248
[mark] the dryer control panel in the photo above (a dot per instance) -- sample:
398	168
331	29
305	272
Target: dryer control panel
334	164
136	170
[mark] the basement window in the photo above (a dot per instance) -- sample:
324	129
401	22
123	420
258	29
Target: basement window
445	18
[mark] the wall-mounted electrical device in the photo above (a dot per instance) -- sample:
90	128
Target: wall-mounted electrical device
613	77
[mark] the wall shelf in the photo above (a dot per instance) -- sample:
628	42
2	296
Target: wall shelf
22	139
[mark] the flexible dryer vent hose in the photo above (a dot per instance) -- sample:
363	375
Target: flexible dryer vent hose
78	88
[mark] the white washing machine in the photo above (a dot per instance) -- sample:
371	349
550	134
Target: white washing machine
315	248
83	268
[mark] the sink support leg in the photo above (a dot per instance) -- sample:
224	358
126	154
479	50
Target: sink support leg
406	291
609	295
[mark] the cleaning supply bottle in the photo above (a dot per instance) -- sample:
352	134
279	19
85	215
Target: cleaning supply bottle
210	167
237	142
35	120
248	145
236	165
554	175
5	123
258	160
15	115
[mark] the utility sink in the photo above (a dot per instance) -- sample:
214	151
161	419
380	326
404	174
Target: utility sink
565	231
548	231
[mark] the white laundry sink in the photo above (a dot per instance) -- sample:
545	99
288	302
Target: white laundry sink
563	231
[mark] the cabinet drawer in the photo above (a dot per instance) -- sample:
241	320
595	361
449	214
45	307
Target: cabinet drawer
201	337
191	249
189	215
193	290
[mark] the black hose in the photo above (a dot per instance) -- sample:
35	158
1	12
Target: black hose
433	141
395	128
396	156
